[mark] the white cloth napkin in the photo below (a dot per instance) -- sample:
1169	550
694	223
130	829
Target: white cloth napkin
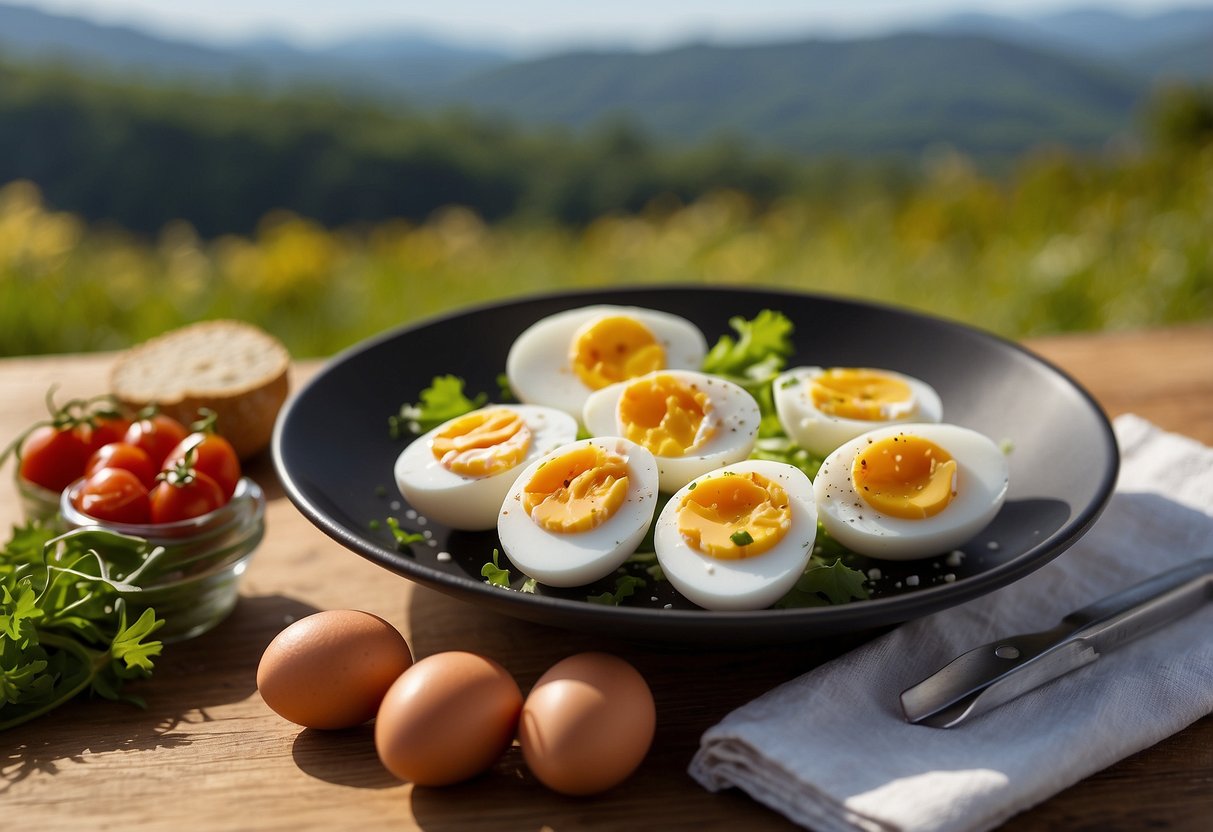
831	751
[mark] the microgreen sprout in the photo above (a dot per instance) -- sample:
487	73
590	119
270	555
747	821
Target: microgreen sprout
496	576
404	539
625	587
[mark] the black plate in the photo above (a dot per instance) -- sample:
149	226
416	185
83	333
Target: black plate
334	454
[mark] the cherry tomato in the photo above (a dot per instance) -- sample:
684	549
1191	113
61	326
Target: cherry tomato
54	457
180	497
156	436
115	495
213	456
107	429
123	455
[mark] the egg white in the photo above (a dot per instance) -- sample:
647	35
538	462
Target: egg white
472	503
820	433
734	412
749	583
982	476
538	367
579	558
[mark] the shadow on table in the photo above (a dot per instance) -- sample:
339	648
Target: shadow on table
344	758
220	666
650	799
190	677
79	734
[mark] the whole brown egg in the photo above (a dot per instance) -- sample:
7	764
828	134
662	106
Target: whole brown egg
448	718
332	669
587	724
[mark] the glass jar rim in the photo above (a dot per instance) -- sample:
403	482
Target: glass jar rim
246	505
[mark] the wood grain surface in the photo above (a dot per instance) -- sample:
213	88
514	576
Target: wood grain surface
208	754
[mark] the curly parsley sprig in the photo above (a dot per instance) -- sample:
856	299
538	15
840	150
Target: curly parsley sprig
63	619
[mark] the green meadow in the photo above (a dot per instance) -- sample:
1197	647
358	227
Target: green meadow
1062	244
1055	242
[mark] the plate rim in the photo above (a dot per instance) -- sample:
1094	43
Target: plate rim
877	612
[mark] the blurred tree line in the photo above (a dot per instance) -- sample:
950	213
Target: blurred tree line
1180	118
140	155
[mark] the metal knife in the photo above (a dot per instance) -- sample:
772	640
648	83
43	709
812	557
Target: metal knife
988	676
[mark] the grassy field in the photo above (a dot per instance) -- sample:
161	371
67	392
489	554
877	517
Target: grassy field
1063	244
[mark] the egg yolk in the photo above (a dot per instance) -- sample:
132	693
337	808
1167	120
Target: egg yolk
577	490
733	516
855	393
666	415
613	349
905	476
482	443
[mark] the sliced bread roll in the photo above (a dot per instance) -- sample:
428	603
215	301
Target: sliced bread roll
232	367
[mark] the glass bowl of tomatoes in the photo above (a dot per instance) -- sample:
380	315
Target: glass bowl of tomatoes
146	475
181	489
194	584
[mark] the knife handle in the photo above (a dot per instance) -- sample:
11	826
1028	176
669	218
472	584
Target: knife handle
1144	607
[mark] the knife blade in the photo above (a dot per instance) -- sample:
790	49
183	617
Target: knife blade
990	675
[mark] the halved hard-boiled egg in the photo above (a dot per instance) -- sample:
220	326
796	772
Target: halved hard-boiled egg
458	473
692	422
561	359
578	513
911	491
738	538
820	408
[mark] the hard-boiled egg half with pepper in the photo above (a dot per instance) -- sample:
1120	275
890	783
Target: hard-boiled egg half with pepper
911	491
820	408
561	359
458	473
739	537
576	515
692	422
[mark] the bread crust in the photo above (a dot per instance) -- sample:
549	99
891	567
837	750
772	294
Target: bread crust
234	368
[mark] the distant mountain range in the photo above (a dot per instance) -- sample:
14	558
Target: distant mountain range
1093	31
881	95
987	84
1175	44
378	63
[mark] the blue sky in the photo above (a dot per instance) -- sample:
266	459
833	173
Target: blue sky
536	24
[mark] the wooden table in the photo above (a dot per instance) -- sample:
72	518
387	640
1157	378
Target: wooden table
208	754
